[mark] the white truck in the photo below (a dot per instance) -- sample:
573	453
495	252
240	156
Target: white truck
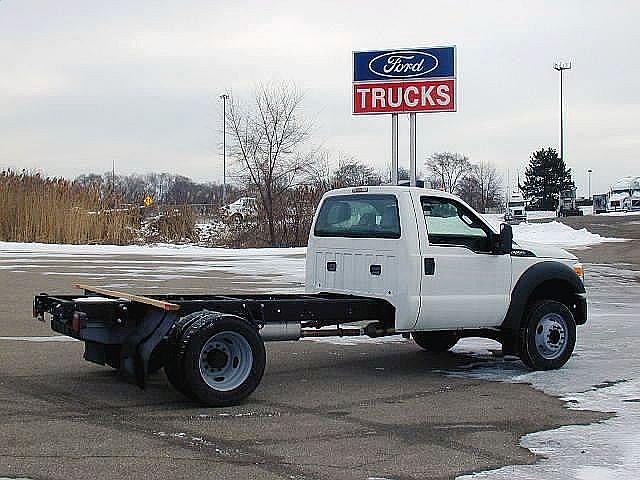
625	195
516	212
396	260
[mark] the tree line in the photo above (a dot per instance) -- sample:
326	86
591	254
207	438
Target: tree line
163	188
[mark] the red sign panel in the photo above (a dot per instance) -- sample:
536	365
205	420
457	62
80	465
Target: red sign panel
404	97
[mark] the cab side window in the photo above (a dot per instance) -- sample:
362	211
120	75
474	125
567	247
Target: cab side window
450	223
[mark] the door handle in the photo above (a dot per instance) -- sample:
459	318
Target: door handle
429	266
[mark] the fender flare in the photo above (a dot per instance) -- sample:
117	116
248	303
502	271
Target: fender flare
531	279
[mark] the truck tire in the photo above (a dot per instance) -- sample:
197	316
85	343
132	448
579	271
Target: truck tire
548	336
223	361
174	351
435	341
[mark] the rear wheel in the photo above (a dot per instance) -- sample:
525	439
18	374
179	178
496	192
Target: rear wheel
549	335
224	359
174	351
435	341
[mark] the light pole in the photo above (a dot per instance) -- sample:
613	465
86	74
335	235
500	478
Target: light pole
561	67
224	98
589	172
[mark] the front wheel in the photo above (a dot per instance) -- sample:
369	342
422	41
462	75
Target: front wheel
435	341
549	335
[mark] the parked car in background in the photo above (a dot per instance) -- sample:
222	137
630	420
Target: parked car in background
240	210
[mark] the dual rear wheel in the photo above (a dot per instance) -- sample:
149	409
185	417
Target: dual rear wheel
215	359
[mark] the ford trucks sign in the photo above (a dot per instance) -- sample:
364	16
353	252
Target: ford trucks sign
404	81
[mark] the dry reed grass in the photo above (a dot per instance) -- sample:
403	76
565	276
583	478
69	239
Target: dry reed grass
171	224
54	210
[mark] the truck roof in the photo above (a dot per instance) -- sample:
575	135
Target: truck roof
390	189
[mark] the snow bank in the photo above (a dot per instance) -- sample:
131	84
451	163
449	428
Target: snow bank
550	233
556	233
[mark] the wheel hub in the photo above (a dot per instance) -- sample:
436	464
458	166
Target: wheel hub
225	361
551	336
217	358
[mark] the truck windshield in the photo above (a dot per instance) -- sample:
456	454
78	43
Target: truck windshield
516	204
359	216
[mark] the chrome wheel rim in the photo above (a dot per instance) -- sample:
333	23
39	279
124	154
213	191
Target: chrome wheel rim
551	336
225	361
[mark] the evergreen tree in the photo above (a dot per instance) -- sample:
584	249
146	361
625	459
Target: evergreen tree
546	176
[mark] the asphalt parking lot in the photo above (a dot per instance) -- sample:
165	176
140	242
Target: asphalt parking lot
323	411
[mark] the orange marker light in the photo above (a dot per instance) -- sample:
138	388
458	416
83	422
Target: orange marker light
579	269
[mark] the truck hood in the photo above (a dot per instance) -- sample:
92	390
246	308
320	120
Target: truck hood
545	251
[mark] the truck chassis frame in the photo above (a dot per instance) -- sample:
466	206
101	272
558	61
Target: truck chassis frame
128	332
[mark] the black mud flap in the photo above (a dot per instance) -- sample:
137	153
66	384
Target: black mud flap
138	347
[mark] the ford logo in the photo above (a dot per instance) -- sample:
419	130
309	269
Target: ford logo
403	64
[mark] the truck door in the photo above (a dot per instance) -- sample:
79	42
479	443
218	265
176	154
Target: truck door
463	284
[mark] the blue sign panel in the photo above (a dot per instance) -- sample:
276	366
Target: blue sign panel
404	64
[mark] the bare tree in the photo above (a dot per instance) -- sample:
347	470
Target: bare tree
352	173
403	174
266	140
482	187
446	170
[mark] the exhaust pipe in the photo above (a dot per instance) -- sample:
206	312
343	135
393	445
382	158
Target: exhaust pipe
287	331
281	331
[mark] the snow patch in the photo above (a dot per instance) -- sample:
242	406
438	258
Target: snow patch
619	214
163	261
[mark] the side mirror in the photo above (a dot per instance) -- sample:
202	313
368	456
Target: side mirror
504	241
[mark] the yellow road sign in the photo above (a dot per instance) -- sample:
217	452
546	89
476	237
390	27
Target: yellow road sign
148	201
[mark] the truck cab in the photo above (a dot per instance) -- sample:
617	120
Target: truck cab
516	212
625	195
440	264
567	206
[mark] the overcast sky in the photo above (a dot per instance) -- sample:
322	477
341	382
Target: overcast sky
85	82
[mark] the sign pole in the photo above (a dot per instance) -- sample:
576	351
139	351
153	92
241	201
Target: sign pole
412	149
394	149
224	98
